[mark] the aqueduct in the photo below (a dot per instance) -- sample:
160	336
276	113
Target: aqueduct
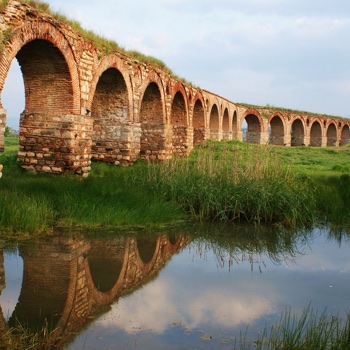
66	282
83	104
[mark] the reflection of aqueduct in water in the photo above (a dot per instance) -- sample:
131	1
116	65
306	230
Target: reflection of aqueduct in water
67	281
83	104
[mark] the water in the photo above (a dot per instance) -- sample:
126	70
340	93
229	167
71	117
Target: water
177	291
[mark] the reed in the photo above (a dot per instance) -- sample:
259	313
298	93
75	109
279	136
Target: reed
309	331
231	183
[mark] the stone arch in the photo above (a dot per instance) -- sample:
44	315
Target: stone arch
332	134
54	137
254	126
345	135
123	101
235	131
297	132
316	133
45	56
198	120
36	306
214	122
277	130
147	248
106	268
179	122
226	127
110	111
155	143
179	107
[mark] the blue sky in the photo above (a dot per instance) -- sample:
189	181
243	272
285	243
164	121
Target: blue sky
287	53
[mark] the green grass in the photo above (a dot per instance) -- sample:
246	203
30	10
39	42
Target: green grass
219	182
110	196
309	331
232	181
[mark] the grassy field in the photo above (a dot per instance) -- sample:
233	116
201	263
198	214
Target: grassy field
220	181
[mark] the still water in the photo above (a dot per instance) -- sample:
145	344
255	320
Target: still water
173	290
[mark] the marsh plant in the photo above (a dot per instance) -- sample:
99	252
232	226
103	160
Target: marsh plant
232	182
309	331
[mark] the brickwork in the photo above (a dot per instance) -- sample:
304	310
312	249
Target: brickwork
81	104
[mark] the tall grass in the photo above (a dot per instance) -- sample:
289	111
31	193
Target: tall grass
20	337
229	183
310	331
110	196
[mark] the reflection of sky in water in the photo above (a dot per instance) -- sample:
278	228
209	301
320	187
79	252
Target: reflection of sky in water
13	278
198	297
199	301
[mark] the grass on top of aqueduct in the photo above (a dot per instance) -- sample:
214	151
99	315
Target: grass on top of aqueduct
271	108
105	45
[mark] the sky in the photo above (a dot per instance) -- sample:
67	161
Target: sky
283	53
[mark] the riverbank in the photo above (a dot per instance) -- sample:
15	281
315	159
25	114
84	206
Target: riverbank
220	181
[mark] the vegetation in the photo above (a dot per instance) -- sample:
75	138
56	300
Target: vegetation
111	196
220	182
308	332
19	337
282	109
232	181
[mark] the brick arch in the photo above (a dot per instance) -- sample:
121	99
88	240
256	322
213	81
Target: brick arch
43	32
234	123
107	63
198	119
316	133
214	121
226	120
226	126
154	141
111	108
297	131
152	94
345	135
332	133
105	268
179	120
179	107
277	129
105	297
254	126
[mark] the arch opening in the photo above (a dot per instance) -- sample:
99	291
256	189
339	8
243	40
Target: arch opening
179	123
110	112
226	132
331	135
13	101
214	123
234	126
345	136
146	248
47	80
153	138
276	135
297	133
198	123
253	131
105	269
316	134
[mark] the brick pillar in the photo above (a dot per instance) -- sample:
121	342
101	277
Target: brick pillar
55	144
2	128
117	144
